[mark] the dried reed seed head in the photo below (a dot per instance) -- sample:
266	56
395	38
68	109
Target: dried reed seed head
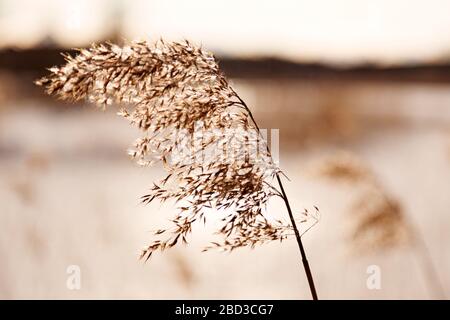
177	96
343	166
377	220
379	223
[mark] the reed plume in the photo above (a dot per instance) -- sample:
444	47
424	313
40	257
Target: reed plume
196	126
378	219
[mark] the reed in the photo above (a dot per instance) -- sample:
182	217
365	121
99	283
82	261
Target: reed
196	125
379	221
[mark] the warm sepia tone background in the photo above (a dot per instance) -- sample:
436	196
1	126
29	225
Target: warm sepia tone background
370	78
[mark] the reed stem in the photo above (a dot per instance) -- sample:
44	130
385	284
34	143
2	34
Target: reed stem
312	287
305	263
428	268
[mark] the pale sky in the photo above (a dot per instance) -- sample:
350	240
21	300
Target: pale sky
331	30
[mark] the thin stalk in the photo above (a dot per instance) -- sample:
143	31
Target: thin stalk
312	288
428	267
305	263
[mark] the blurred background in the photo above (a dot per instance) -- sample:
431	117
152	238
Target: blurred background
360	91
